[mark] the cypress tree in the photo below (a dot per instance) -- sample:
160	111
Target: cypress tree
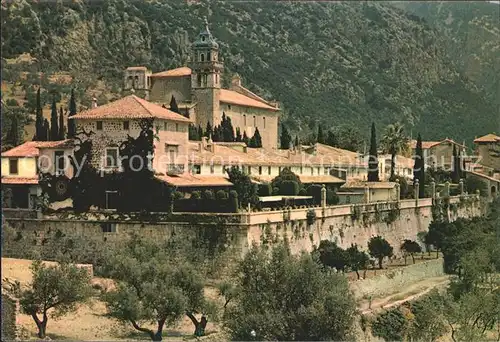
297	141
200	132
208	131
173	105
285	138
372	158
321	136
419	167
61	124
245	138
331	139
256	140
193	133
54	122
72	111
13	137
238	137
455	174
46	130
39	134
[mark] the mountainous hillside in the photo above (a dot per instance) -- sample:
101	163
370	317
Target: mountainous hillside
328	63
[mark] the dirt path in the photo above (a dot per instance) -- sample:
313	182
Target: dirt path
414	291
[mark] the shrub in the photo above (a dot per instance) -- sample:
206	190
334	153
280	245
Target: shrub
276	191
208	194
196	195
221	195
314	190
265	189
472	184
331	197
233	194
390	325
302	192
178	195
290	188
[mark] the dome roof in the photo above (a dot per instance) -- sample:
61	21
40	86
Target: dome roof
205	39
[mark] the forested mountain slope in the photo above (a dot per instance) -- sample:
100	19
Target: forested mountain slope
329	63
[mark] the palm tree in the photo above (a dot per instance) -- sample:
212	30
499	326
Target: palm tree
394	141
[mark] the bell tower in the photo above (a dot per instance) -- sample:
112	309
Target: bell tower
206	70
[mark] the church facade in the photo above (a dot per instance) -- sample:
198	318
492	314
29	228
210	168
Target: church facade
199	94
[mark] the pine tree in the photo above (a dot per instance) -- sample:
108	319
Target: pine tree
173	105
61	124
72	111
54	122
419	167
13	137
331	139
297	141
238	137
372	158
39	134
285	138
209	131
321	136
46	130
245	138
256	140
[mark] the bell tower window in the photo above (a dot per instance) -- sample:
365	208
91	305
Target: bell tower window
208	56
202	38
199	80
202	57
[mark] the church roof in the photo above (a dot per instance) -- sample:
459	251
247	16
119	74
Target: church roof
487	138
182	71
233	97
130	107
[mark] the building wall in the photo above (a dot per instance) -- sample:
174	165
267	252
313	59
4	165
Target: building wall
207	106
162	89
113	134
26	167
441	155
345	224
243	117
47	161
487	157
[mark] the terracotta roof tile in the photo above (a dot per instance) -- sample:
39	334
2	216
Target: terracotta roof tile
30	148
130	107
371	185
19	180
304	179
188	180
182	71
487	138
429	144
233	97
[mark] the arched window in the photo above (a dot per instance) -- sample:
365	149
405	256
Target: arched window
202	57
254	121
208	56
264	119
244	119
199	80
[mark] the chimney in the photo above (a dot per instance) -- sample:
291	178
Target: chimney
94	102
235	81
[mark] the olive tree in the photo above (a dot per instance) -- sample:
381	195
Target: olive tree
286	297
410	247
154	287
56	289
379	248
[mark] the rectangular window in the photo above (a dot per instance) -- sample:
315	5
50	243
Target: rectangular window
249	170
165	126
126	125
319	170
260	170
177	127
13	166
312	171
59	162
212	168
264	119
196	169
301	170
269	170
254	121
99	125
112	157
107	227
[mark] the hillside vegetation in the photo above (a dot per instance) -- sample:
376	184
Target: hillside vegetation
328	63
